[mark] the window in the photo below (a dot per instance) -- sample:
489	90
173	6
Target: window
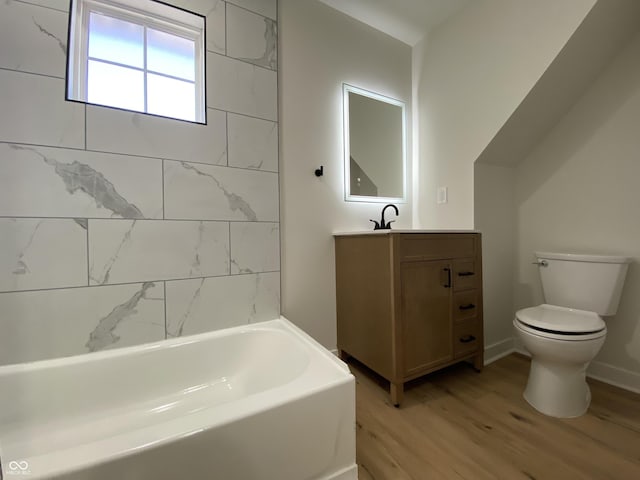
139	55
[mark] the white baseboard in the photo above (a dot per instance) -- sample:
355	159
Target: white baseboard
349	473
616	376
498	350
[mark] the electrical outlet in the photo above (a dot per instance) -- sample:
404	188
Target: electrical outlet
443	195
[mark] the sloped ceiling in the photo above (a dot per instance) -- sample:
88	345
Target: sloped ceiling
405	20
607	28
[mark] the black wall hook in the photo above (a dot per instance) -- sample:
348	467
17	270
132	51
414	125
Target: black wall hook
320	171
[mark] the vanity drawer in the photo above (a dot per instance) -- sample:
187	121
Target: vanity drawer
465	274
466	305
431	246
466	337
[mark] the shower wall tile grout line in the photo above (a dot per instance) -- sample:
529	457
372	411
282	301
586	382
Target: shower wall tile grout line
88	264
120	219
138	282
165	309
163	184
146	157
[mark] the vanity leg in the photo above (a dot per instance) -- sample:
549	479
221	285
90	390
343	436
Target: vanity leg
478	362
397	392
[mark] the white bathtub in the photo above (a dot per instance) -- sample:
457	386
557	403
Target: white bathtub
262	401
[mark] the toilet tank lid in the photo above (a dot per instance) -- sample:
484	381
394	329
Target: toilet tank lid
561	319
583	257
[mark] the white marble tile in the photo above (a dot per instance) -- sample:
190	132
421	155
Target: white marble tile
214	11
236	86
62	5
268	8
216	27
58	182
201	305
255	247
118	131
251	37
205	192
33	39
39	113
253	143
41	253
123	251
58	323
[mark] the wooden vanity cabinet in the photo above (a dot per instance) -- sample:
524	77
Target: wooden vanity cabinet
409	303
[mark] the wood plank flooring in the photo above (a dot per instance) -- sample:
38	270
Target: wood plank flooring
459	424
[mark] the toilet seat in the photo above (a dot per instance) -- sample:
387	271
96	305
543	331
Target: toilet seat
561	323
562	337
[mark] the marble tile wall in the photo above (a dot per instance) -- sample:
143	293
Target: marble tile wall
118	228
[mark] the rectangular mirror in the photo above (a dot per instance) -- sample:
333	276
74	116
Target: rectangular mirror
374	147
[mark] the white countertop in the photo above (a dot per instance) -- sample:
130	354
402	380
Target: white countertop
385	232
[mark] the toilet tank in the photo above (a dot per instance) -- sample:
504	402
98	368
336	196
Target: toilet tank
584	282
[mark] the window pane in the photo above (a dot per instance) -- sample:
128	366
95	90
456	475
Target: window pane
170	54
116	40
171	98
115	86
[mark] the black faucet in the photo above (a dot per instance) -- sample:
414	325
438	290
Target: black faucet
385	225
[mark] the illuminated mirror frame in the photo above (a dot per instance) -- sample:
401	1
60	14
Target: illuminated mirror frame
346	89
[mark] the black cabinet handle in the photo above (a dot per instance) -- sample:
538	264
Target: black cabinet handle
467	339
465	274
448	270
468	306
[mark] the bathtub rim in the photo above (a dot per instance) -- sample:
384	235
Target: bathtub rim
281	323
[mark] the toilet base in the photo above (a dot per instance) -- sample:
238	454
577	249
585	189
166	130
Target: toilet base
558	390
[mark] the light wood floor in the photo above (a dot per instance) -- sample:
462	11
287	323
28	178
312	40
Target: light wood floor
459	424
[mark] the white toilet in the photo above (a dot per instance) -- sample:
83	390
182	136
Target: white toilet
565	334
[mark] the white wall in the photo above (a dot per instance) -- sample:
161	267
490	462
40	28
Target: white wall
319	50
495	217
477	67
578	192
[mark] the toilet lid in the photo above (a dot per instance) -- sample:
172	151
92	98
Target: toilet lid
560	319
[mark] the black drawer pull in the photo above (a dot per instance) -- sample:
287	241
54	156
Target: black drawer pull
468	306
465	274
467	339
